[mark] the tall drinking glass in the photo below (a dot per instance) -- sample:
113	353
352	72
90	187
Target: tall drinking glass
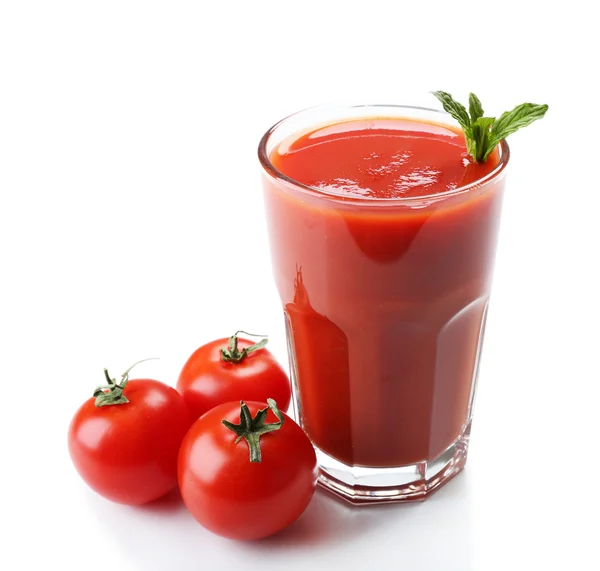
385	302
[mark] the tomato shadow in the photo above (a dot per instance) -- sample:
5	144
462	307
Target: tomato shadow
170	503
164	535
329	520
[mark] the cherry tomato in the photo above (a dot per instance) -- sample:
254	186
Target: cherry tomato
246	480
124	442
229	370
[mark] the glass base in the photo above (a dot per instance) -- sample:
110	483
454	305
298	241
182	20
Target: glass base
416	482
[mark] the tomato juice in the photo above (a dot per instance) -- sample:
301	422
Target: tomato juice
383	234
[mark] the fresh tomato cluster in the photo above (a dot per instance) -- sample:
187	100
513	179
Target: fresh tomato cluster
135	440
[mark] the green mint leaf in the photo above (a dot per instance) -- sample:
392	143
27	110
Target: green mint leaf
471	145
475	107
482	134
455	109
521	116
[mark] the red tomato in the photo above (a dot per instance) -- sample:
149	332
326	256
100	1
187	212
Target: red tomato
229	370
124	442
233	496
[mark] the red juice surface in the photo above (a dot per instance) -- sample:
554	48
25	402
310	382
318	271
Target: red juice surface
384	271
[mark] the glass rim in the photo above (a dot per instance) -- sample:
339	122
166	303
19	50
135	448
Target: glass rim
275	173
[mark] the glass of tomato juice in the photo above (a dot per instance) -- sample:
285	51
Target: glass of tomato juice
383	235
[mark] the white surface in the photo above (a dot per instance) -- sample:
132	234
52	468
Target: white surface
131	226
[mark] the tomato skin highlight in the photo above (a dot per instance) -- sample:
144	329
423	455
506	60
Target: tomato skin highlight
207	381
234	498
127	453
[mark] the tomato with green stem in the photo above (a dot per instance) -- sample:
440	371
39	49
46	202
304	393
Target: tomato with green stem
232	369
124	441
247	480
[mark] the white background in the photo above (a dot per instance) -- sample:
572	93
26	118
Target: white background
131	226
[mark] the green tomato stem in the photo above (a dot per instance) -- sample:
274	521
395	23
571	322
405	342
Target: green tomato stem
251	429
232	354
112	393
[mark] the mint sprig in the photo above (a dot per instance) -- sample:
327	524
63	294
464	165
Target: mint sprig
482	134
